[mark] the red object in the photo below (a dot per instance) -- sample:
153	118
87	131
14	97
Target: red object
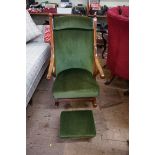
34	10
118	41
125	11
47	34
49	10
95	6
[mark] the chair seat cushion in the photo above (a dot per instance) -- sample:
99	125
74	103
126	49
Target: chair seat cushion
75	83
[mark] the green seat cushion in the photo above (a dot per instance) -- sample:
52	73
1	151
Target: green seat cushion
77	124
75	83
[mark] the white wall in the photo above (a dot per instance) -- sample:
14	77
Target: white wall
111	3
103	2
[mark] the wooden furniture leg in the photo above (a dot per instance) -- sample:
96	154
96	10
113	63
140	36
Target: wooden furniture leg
90	99
109	80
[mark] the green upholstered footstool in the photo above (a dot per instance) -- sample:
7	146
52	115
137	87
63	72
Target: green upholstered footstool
77	124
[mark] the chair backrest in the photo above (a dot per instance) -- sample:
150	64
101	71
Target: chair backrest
118	41
73	43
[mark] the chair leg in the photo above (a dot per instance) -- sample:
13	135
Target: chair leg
94	103
126	93
128	142
57	103
105	45
105	42
30	102
109	80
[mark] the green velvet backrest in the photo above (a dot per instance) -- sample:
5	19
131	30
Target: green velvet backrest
73	43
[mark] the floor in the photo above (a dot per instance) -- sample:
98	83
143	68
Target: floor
111	121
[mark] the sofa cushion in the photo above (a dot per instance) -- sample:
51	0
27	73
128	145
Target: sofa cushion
40	38
37	54
120	13
75	83
125	11
31	29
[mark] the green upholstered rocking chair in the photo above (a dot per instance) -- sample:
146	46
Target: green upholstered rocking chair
74	59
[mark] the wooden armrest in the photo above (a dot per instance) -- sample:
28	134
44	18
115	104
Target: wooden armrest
95	50
98	65
51	67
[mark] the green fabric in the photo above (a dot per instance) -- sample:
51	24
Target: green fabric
73	43
73	49
74	57
77	124
75	83
73	22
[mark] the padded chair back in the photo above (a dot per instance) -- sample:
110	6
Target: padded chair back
73	43
118	41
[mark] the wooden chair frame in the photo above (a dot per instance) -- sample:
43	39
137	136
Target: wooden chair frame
97	66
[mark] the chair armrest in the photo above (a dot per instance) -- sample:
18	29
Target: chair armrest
51	67
98	65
